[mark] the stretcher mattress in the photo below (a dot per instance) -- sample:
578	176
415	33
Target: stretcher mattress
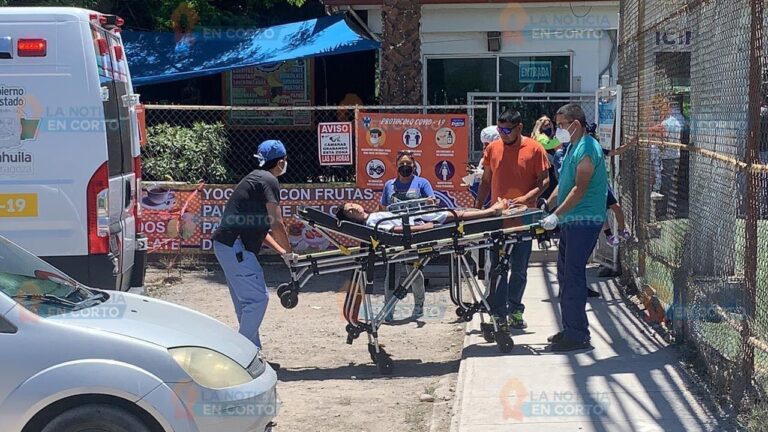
366	234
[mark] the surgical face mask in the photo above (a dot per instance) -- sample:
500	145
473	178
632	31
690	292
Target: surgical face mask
405	170
563	135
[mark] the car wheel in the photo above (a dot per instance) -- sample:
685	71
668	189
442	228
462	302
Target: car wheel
96	418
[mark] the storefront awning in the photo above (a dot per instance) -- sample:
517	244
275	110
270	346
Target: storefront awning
161	57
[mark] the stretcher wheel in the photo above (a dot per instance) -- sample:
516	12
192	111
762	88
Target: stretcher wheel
487	329
460	312
283	287
504	341
467	316
353	331
289	299
384	363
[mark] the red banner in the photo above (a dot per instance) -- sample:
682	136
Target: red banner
184	217
440	143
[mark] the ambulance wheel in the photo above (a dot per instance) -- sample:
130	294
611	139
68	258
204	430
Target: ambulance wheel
384	363
487	329
283	287
289	299
504	341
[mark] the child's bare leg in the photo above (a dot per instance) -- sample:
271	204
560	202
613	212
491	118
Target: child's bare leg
619	214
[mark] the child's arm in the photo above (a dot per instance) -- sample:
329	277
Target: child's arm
414	228
619	150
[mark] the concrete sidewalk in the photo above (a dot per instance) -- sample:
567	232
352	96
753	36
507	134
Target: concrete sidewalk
631	381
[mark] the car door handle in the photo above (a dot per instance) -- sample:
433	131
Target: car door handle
115	228
128	191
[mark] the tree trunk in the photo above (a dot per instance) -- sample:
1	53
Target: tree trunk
400	61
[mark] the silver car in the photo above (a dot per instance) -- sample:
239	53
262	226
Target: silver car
77	359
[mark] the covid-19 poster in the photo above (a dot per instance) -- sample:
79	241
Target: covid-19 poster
606	113
439	142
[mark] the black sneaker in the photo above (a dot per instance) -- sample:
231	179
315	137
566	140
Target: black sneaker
556	337
566	345
592	293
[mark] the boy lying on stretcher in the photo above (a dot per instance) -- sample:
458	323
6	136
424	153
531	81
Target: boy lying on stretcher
356	213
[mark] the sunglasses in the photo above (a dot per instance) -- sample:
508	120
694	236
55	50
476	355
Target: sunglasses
506	131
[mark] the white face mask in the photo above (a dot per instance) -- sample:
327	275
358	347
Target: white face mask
563	136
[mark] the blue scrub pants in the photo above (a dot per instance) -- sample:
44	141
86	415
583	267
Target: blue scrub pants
247	287
577	241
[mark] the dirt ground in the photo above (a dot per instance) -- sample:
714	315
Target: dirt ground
325	384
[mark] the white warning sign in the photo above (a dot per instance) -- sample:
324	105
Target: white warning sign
335	143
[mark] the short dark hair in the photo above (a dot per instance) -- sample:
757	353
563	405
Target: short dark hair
510	116
405	153
573	112
341	214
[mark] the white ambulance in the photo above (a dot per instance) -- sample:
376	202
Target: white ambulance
69	144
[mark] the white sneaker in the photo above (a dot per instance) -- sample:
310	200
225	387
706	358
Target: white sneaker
625	235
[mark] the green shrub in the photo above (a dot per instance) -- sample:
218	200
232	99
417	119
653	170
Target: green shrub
186	154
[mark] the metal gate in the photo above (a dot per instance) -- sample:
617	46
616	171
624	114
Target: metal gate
530	105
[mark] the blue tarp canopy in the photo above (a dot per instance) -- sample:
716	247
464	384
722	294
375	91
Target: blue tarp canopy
161	57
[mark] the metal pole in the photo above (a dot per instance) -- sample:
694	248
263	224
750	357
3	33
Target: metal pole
745	368
642	154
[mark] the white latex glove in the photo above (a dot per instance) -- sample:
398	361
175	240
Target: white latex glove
290	257
550	222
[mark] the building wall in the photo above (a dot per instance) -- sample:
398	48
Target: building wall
580	31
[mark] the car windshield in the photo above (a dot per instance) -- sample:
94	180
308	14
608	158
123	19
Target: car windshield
37	285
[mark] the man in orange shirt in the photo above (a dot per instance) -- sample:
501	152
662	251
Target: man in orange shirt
515	168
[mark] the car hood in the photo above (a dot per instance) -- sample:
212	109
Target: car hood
161	323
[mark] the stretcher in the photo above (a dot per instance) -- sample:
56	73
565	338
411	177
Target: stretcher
381	248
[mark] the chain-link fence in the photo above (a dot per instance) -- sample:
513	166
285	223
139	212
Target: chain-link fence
216	145
694	181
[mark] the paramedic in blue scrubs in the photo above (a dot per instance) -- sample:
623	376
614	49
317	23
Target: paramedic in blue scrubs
579	203
405	187
251	212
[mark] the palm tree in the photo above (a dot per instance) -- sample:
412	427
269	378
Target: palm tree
400	61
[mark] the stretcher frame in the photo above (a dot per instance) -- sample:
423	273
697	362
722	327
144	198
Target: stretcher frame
381	248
